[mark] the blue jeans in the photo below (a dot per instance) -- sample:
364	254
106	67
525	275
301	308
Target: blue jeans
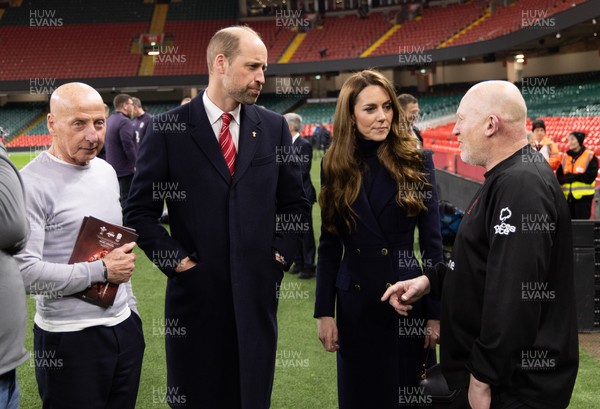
10	393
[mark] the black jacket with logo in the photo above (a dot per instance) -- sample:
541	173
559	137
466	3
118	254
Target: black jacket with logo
508	299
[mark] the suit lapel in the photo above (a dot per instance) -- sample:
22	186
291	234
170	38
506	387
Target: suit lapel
250	136
204	137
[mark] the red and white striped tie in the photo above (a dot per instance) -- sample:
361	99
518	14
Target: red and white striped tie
226	142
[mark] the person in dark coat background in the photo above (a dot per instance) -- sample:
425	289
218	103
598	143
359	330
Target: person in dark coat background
223	258
304	264
377	188
120	146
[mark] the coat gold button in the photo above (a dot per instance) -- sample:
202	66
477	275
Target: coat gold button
357	251
357	287
384	251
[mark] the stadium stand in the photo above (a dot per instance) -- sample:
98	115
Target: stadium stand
334	37
34	52
77	12
184	50
426	32
503	20
14	118
277	39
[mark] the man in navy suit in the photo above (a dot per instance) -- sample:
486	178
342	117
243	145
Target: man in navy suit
216	163
121	148
304	264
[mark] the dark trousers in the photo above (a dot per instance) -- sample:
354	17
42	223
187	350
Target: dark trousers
98	367
306	253
124	186
582	208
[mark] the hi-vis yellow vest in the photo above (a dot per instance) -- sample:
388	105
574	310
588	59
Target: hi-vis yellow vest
577	189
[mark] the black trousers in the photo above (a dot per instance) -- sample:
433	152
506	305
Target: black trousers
98	367
582	208
124	186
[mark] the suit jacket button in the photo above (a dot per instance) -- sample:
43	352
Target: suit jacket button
384	251
356	287
357	251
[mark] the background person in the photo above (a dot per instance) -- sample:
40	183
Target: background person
141	120
121	147
577	174
544	145
376	189
304	264
410	106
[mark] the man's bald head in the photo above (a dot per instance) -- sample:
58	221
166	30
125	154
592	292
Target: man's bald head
77	123
73	94
500	98
491	123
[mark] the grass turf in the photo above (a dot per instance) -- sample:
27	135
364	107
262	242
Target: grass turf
305	375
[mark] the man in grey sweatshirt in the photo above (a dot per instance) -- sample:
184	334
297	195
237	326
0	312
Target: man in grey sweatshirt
13	316
83	353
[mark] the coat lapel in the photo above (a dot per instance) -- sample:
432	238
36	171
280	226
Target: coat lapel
384	190
204	137
369	208
250	136
362	207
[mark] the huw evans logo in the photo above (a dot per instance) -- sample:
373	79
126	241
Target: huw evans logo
291	86
167	54
168	123
44	18
42	86
536	19
536	86
290	19
414	55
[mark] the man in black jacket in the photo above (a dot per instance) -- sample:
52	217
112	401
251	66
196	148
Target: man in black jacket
508	327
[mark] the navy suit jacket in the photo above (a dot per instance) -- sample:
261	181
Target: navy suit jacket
227	303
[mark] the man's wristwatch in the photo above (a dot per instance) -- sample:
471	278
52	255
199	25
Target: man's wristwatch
104	271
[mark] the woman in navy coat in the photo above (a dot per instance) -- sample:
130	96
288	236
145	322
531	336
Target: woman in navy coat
377	189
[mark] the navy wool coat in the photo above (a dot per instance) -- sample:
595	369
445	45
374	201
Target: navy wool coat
220	316
381	353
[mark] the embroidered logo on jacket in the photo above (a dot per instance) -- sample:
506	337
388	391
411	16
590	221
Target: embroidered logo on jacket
504	228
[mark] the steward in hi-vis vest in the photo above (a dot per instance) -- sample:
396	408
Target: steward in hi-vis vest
577	175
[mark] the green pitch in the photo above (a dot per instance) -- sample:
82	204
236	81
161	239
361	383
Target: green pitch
305	375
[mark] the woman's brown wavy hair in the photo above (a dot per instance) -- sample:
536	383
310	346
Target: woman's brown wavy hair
398	154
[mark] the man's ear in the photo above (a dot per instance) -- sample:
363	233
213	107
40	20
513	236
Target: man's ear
221	63
491	125
50	122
